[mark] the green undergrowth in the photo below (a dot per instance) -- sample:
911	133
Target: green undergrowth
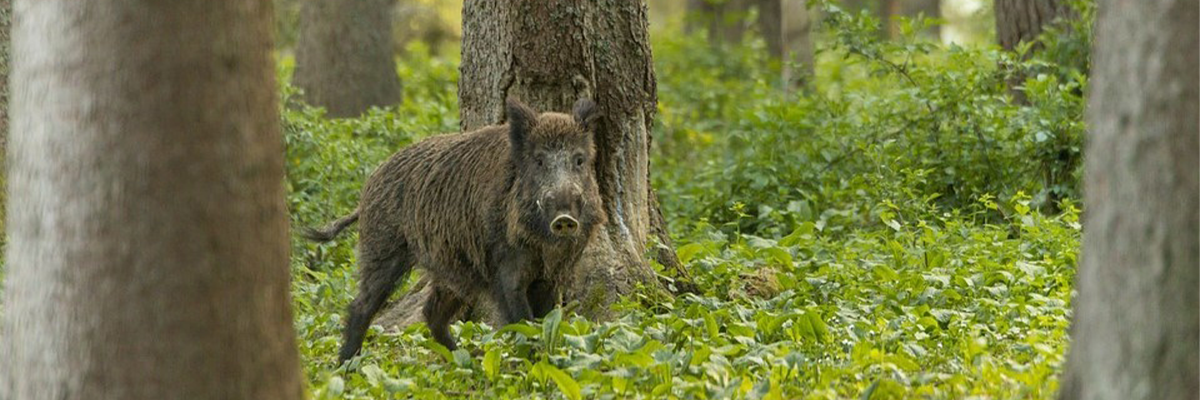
901	229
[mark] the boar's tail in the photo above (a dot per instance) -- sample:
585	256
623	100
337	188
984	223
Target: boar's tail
330	231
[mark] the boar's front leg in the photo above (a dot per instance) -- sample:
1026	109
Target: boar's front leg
510	284
543	297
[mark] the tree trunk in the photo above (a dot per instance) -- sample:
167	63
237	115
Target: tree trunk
1023	20
1136	330
533	50
723	20
344	59
855	6
5	57
149	250
926	8
799	62
5	51
770	23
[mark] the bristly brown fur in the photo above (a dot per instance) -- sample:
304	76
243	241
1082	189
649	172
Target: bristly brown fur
471	210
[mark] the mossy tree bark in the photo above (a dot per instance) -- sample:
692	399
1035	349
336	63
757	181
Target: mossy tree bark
1136	328
549	54
149	248
345	57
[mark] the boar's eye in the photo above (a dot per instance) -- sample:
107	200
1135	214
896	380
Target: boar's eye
579	160
541	161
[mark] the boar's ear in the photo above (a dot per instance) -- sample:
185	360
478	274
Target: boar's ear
586	114
521	119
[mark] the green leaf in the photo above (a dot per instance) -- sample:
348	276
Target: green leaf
550	329
491	363
521	328
780	256
462	358
636	358
566	383
373	374
440	350
688	251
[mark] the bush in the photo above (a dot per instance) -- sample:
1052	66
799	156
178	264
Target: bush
904	121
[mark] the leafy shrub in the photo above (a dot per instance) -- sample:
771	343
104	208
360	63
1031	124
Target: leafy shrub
904	121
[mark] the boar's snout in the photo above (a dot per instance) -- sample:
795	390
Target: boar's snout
564	225
563	206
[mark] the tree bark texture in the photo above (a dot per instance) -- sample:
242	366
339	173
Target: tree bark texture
1023	20
1136	328
148	253
548	54
344	58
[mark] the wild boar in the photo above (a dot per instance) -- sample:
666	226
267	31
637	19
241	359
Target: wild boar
500	213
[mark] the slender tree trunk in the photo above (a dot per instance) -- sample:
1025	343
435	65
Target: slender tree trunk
1136	332
5	58
856	5
344	59
149	254
533	50
1020	21
926	8
5	51
723	20
799	60
1023	20
771	23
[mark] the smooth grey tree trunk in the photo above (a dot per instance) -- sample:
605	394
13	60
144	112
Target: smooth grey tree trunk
798	25
345	57
548	58
148	253
1136	328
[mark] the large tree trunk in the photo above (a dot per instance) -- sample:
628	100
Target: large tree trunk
533	50
344	58
1136	330
1020	21
149	250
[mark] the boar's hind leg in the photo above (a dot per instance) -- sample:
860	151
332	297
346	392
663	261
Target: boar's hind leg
543	297
377	280
440	310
